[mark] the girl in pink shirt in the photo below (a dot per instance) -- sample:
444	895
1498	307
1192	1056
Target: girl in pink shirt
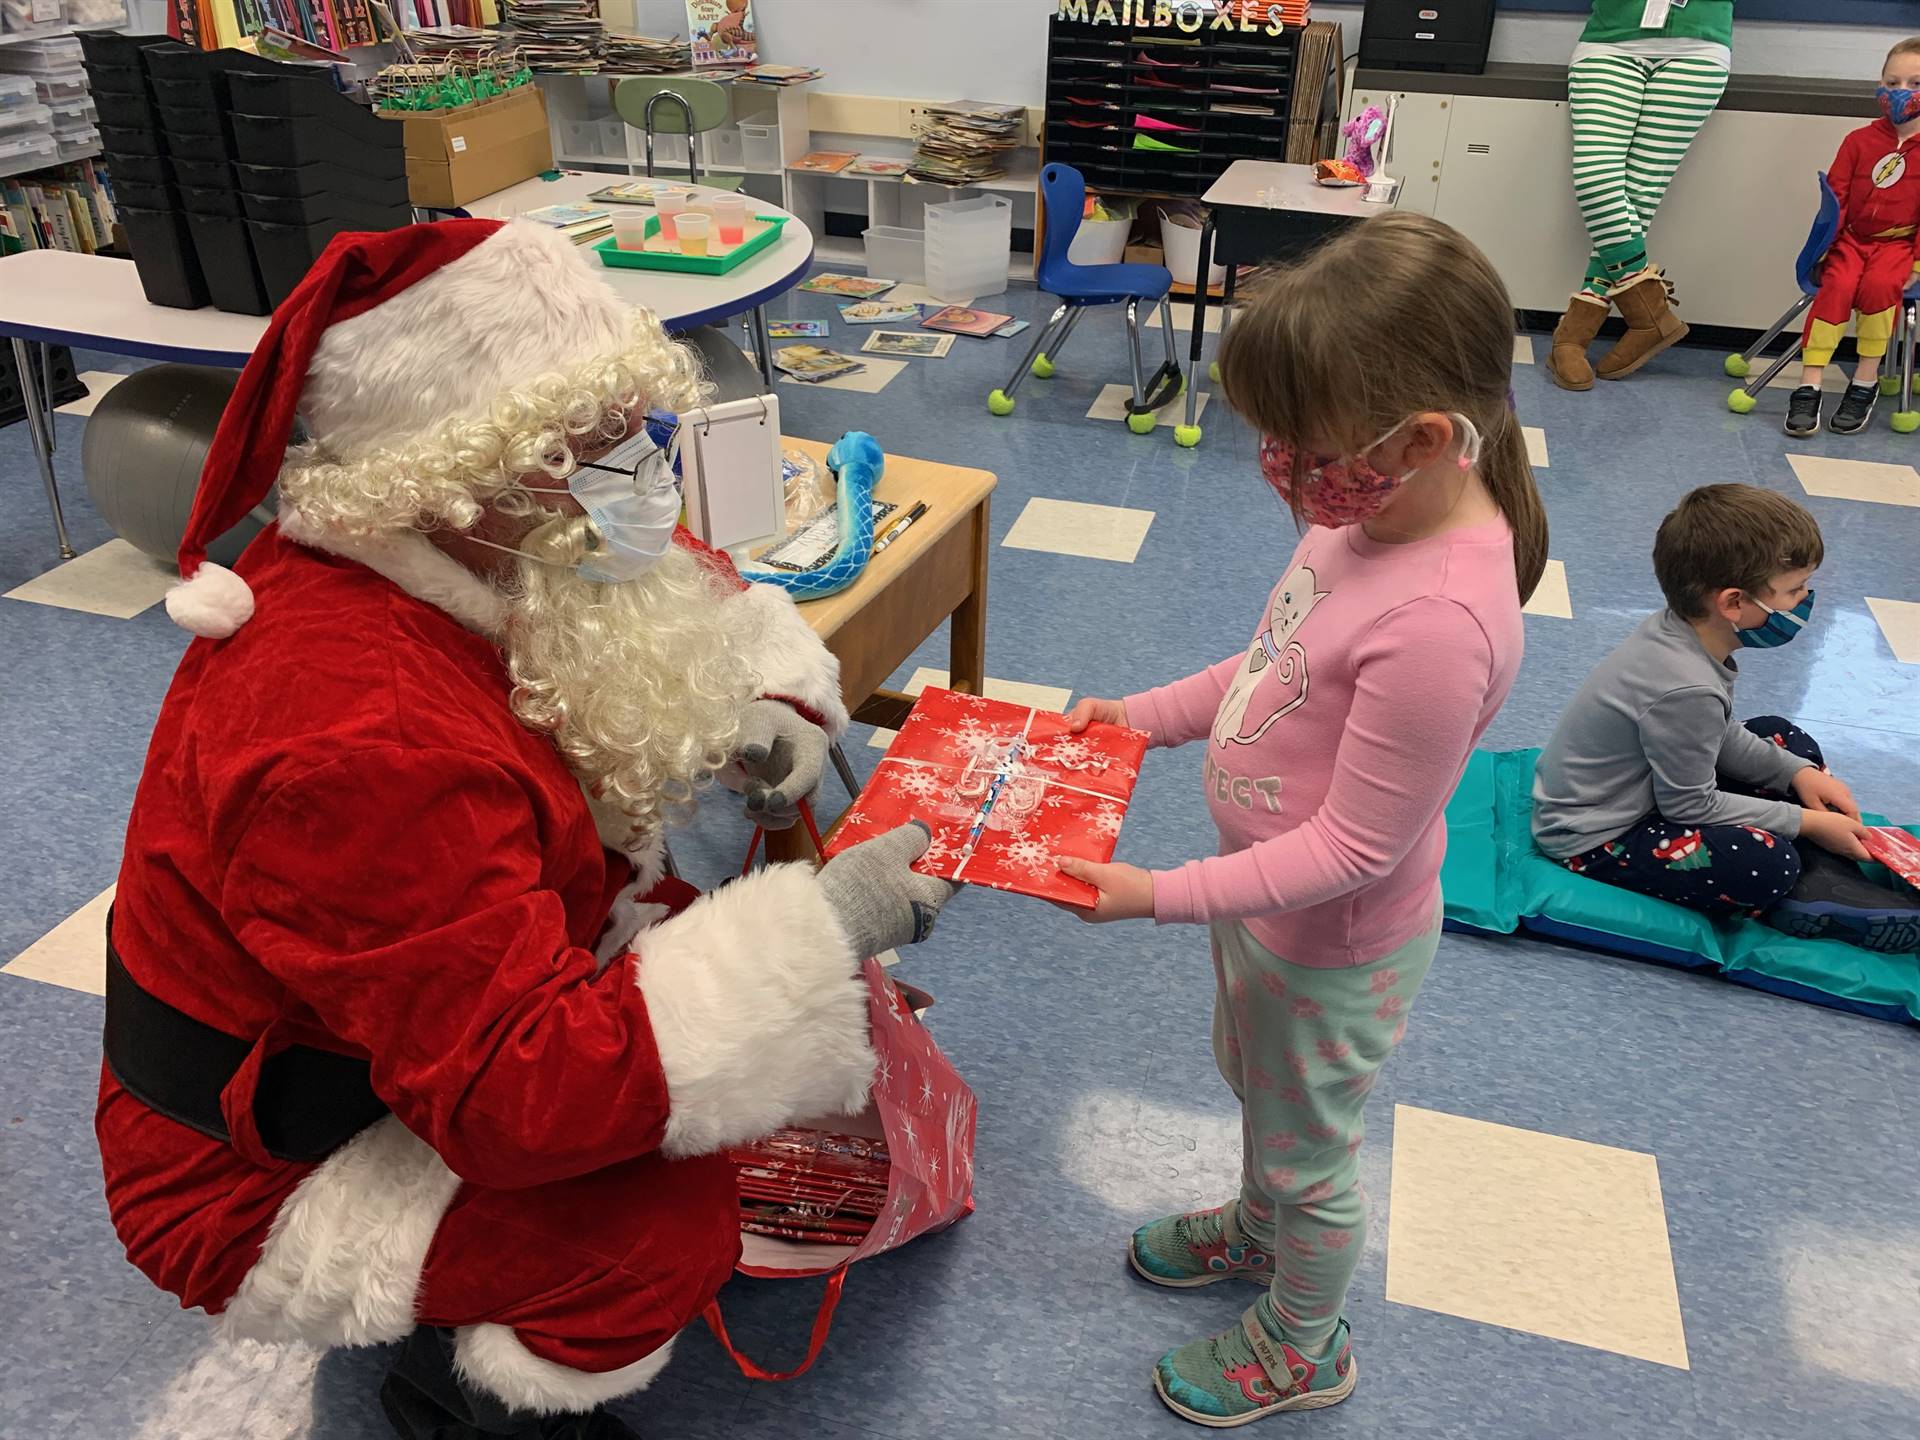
1377	371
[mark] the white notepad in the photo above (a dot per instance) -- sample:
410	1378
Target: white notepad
730	472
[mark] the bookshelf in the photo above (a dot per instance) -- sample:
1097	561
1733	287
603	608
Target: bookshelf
1103	80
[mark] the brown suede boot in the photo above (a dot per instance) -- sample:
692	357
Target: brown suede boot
1647	307
1586	313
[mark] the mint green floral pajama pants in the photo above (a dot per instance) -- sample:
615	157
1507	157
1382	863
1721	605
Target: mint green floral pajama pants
1301	1047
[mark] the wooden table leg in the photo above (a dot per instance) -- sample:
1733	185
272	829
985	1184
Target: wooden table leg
967	659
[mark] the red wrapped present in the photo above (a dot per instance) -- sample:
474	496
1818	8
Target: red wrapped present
1895	849
1005	789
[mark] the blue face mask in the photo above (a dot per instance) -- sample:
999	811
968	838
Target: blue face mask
1900	106
632	495
1780	626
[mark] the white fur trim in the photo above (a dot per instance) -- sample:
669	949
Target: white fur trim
759	1009
342	1261
492	1357
414	563
522	302
212	603
791	659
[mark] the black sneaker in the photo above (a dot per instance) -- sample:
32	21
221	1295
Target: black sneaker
1856	409
1833	900
1803	411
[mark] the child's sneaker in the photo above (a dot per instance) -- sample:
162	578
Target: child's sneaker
1241	1374
1855	409
1832	900
1803	411
1198	1248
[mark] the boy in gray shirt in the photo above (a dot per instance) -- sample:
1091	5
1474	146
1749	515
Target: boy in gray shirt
1649	783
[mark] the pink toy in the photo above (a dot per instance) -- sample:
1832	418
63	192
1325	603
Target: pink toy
1363	133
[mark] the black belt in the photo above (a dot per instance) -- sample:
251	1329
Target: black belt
308	1103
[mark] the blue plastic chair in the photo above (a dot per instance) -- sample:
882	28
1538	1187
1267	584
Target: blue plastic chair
1063	194
1806	272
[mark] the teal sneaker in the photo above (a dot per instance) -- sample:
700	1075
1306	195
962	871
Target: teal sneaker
1198	1248
1239	1375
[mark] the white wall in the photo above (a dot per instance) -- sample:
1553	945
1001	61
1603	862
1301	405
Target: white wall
997	49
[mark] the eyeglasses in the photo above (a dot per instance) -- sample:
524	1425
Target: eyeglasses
632	457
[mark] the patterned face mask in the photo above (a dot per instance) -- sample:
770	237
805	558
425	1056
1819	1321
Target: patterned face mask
1778	628
1899	105
1339	490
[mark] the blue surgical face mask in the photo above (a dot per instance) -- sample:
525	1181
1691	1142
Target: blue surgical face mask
1899	105
632	496
1780	626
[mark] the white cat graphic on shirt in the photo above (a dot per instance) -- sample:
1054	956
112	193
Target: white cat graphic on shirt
1275	668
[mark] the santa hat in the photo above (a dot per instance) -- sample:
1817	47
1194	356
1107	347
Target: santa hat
388	336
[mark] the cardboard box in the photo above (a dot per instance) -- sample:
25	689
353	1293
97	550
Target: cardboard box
454	156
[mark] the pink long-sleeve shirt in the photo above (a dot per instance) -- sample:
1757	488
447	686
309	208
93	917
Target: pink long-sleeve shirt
1334	741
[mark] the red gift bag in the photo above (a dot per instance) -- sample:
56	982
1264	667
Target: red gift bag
924	1112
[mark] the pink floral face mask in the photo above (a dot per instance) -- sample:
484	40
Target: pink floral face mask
1340	490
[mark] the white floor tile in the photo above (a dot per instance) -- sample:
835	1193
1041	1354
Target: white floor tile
73	953
1550	596
1069	527
1019	692
1112	405
1900	623
114	580
98	382
1523	350
1868	480
1536	446
870	381
1565	1238
1832	382
1183	323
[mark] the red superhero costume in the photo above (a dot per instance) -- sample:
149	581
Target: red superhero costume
346	840
1871	263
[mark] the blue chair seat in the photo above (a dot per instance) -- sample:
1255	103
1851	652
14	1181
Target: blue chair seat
1106	284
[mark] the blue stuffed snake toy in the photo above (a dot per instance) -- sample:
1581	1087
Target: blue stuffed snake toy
856	461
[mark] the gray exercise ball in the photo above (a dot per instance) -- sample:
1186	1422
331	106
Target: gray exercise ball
142	451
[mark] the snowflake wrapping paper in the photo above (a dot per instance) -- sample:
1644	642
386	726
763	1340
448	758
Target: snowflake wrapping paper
1895	849
1034	790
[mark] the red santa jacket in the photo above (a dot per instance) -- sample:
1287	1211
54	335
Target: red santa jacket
1877	180
344	839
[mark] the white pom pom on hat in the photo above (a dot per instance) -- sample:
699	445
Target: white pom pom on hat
213	602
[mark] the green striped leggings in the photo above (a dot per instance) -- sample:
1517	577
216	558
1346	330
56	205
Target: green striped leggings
1632	123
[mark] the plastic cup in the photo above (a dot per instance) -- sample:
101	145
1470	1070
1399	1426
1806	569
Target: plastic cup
730	219
667	204
630	229
693	227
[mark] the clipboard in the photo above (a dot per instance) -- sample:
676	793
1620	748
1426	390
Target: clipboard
730	473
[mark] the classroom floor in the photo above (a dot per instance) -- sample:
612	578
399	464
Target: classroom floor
1609	1200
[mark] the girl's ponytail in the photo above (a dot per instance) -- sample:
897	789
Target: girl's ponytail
1508	475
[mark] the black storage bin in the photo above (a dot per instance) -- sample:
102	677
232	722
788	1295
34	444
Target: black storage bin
287	252
1448	35
223	200
317	209
118	140
308	96
13	398
129	112
140	169
105	48
364	144
227	260
117	80
323	179
165	255
194	120
189	90
142	195
203	174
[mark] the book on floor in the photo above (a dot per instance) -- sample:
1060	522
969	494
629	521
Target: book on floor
965	320
794	329
907	342
860	287
812	363
1005	790
879	312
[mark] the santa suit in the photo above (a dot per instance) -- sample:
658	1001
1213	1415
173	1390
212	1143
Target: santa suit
345	840
1876	177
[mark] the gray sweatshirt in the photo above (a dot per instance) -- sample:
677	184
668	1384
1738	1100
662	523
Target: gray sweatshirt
1651	730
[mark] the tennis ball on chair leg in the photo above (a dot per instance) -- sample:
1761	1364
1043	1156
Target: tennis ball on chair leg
1889	384
1140	421
1000	403
1186	436
1741	403
1905	422
1738	367
1042	366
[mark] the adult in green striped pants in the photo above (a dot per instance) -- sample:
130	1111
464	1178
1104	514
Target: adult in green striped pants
1645	77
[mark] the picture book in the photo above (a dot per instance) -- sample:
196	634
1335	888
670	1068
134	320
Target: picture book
860	287
878	165
907	342
964	320
1005	789
1895	849
826	162
812	364
796	329
879	312
720	32
1010	329
633	192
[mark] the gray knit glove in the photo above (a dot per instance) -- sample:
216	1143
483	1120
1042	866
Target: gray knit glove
783	755
881	903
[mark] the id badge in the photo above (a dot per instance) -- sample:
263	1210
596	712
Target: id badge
1654	17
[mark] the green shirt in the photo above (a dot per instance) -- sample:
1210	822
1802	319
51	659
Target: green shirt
1614	22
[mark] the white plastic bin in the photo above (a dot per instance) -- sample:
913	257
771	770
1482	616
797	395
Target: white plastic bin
968	245
759	147
1100	242
895	253
1182	246
723	149
612	141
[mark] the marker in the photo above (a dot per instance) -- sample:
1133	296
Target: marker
899	526
1002	774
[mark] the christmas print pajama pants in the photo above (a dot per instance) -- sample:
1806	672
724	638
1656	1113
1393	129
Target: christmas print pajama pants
1868	277
1719	870
1301	1047
1632	123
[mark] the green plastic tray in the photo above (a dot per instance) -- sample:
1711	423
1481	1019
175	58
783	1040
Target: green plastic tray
613	256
